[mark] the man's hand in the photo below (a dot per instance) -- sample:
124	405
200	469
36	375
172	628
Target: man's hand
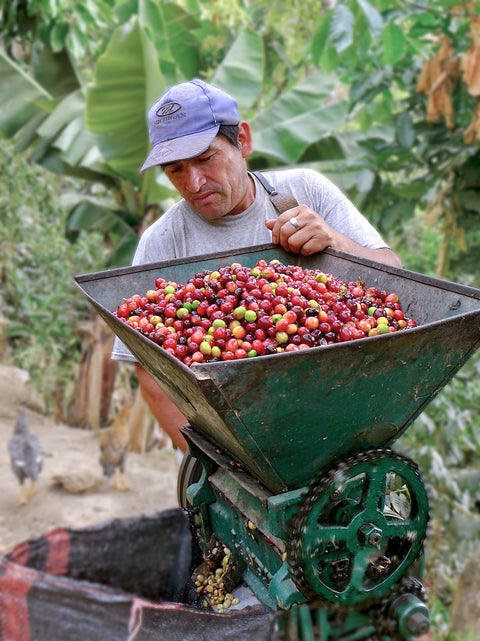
301	230
310	234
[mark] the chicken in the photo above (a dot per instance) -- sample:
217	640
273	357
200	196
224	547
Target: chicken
26	456
114	442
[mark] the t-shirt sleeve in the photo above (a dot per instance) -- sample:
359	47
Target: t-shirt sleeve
345	218
120	352
341	214
318	192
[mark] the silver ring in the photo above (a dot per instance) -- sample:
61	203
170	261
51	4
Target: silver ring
294	222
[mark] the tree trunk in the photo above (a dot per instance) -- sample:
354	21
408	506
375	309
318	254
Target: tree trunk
139	420
90	404
3	329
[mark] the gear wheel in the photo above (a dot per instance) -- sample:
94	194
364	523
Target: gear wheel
384	614
190	471
358	529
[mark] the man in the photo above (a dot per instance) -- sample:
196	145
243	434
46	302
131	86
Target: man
202	145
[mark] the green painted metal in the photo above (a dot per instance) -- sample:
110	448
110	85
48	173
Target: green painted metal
340	540
350	519
264	428
413	617
305	623
286	417
235	510
277	590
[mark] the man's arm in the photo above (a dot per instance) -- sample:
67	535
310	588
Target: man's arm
166	413
314	235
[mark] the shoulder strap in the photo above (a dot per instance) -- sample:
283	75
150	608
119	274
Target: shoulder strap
280	201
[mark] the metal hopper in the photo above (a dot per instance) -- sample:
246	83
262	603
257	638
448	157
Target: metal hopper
287	417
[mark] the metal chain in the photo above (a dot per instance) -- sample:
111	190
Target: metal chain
297	523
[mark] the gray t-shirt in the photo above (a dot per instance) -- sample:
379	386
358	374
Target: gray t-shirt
182	233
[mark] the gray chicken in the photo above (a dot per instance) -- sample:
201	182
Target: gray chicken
26	456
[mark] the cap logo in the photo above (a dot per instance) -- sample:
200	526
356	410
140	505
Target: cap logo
168	109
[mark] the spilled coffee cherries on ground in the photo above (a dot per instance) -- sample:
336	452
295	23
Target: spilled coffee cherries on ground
241	312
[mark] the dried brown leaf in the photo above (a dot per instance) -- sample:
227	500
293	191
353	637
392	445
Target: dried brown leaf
433	212
471	61
443	258
432	68
472	134
427	76
437	79
461	239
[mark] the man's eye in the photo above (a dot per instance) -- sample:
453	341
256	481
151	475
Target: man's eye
205	158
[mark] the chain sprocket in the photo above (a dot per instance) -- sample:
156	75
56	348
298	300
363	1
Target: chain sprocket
358	528
383	613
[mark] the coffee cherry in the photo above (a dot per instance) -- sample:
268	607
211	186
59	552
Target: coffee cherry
237	312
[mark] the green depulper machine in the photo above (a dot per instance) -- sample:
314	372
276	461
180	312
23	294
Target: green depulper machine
290	463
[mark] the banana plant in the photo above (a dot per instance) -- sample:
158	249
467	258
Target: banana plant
98	131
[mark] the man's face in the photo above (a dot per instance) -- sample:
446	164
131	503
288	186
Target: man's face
216	183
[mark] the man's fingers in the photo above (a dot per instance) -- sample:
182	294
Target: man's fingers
284	226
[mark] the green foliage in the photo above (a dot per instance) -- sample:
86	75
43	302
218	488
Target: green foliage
74	24
40	300
335	89
115	103
98	131
396	160
287	127
445	441
379	50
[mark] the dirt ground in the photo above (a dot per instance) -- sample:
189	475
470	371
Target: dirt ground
68	450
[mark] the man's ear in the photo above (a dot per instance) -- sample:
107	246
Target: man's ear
245	139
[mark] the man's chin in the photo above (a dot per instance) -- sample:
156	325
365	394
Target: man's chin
209	211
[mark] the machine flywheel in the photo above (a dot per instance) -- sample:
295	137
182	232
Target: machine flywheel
358	529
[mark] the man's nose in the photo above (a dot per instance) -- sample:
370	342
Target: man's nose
194	178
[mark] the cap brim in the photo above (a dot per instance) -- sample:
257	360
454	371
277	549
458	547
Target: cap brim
180	148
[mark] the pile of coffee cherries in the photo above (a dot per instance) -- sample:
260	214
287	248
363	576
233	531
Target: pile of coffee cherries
241	312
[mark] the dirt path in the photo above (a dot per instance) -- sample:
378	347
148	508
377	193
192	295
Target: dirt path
66	450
